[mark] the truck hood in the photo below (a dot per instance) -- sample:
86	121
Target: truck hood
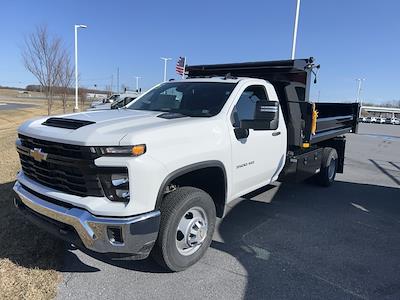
108	128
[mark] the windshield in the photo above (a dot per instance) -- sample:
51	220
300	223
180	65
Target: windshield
195	99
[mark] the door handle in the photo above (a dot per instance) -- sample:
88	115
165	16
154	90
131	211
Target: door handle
276	133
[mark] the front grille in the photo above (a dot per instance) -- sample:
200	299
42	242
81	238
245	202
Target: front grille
65	150
67	168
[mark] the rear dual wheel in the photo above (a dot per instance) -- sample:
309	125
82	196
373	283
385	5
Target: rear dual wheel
329	163
186	228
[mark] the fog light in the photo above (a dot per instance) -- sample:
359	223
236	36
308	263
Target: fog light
124	194
115	235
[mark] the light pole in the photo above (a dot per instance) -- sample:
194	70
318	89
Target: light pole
359	89
165	59
76	108
296	22
118	80
137	83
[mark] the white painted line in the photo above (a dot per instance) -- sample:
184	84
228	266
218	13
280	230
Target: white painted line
359	207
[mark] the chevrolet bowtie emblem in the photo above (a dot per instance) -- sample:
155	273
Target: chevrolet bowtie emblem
38	155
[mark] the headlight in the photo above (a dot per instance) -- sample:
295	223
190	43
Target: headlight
136	150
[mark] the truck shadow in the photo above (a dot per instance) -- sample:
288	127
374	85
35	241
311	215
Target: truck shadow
297	239
28	246
388	168
311	239
73	263
288	240
23	243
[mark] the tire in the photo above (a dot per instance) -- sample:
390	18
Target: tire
183	210
329	163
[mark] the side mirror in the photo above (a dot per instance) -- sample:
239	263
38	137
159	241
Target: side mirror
266	117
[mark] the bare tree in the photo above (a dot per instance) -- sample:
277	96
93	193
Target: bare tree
83	96
66	74
44	57
108	89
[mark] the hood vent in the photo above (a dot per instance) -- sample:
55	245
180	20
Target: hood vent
66	123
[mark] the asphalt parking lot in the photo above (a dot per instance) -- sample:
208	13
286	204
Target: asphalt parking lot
290	241
14	106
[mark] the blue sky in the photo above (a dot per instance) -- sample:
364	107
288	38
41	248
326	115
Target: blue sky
349	38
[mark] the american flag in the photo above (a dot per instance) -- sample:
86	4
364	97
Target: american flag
180	65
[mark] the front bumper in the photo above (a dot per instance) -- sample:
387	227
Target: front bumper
130	236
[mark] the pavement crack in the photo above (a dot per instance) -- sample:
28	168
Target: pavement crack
287	260
68	277
225	269
338	286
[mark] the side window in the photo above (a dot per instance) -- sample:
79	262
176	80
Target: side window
245	108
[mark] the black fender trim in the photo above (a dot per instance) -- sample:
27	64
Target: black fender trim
187	169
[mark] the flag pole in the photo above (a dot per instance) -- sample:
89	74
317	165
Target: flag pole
184	67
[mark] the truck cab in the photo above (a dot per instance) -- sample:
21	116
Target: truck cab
152	177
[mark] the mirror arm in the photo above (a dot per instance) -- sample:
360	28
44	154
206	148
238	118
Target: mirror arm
241	133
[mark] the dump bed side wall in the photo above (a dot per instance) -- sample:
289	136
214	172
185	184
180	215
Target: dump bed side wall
335	119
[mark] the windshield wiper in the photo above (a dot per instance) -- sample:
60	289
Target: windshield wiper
197	114
186	113
191	113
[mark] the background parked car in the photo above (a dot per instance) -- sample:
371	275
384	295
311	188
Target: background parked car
122	102
119	102
110	100
394	121
381	120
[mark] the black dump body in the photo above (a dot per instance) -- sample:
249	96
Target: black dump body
291	79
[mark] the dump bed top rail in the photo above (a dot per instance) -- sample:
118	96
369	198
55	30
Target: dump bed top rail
295	71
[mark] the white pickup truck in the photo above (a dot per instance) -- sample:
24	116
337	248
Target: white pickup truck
152	177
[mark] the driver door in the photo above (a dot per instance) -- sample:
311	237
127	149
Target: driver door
256	157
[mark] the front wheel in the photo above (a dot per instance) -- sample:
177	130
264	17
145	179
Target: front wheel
186	228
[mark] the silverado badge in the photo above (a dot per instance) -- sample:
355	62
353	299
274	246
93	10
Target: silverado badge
38	155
